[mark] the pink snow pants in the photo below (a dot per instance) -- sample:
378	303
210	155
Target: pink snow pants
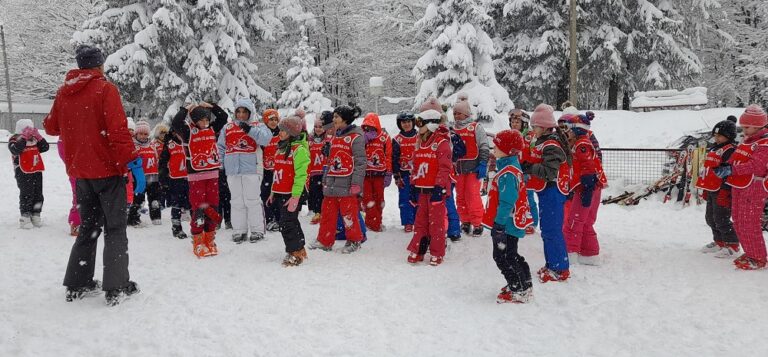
468	202
430	224
747	212
578	228
74	216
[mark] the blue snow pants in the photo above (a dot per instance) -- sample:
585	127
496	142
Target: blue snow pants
407	211
341	232
551	203
534	207
454	225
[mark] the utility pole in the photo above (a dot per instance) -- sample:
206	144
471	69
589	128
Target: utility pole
7	74
572	95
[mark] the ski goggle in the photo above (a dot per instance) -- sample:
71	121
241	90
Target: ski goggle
419	122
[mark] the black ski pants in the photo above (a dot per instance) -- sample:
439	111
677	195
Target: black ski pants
30	192
290	227
154	196
512	265
719	219
101	202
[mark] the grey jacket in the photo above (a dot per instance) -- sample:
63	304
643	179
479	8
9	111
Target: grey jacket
483	150
245	164
339	186
553	156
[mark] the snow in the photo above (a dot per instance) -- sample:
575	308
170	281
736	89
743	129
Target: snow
670	98
40	107
654	295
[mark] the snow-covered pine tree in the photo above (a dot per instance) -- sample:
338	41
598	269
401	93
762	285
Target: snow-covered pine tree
459	58
165	52
306	88
533	50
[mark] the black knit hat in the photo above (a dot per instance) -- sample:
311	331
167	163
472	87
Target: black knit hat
200	113
725	128
348	114
326	117
88	57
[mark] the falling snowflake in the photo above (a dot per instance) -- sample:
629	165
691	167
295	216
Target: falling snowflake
83	263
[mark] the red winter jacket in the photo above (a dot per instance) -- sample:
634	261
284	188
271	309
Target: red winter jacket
88	115
444	157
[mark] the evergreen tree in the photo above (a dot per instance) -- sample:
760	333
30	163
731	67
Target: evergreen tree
459	57
305	90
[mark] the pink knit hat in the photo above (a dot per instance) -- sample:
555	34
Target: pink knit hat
543	116
430	109
462	106
142	126
754	115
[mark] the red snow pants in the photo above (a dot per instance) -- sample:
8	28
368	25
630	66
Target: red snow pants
348	207
747	212
204	194
373	201
429	227
468	202
578	228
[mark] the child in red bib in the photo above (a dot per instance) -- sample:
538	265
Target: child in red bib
26	146
317	164
151	162
378	172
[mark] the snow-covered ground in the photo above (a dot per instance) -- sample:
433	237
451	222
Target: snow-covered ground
655	294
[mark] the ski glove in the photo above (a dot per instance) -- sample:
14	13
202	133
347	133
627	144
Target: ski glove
526	166
399	181
438	193
482	170
139	182
414	196
498	234
723	171
588	182
245	126
459	148
387	180
292	204
354	189
723	198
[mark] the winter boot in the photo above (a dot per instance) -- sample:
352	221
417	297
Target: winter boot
295	258
273	227
414	258
239	238
185	216
255	237
199	247
315	219
25	222
453	238
746	263
477	231
350	247
466	228
593	260
435	261
74	230
116	296
91	289
547	275
210	243
317	245
157	222
728	251
516	297
177	231
712	247
36	221
408	228
228	225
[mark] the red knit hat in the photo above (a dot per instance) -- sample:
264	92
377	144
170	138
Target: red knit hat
268	114
509	142
754	115
543	116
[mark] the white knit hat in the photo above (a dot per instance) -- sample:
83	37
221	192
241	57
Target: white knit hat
23	123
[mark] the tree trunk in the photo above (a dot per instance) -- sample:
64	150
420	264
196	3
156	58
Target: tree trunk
625	101
613	94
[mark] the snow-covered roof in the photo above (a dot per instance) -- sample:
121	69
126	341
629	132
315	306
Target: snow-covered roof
670	98
41	107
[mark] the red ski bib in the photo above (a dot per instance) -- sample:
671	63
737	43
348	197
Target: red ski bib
425	164
284	172
578	170
375	153
237	141
203	155
708	181
177	162
316	157
741	155
467	134
340	160
148	159
269	153
563	174
407	148
521	217
30	160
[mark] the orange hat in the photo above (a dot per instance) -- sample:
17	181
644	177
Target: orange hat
269	113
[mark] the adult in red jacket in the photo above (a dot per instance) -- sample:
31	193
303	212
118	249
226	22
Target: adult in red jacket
88	115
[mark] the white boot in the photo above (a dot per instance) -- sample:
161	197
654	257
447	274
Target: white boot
712	247
36	221
727	252
25	222
590	260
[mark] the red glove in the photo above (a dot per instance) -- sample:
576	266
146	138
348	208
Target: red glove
354	189
723	198
292	203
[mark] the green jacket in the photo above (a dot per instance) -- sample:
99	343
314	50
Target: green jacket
300	163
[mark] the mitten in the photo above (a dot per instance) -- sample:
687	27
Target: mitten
245	126
723	171
438	193
482	170
292	204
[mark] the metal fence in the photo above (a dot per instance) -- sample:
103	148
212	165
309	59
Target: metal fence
638	166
